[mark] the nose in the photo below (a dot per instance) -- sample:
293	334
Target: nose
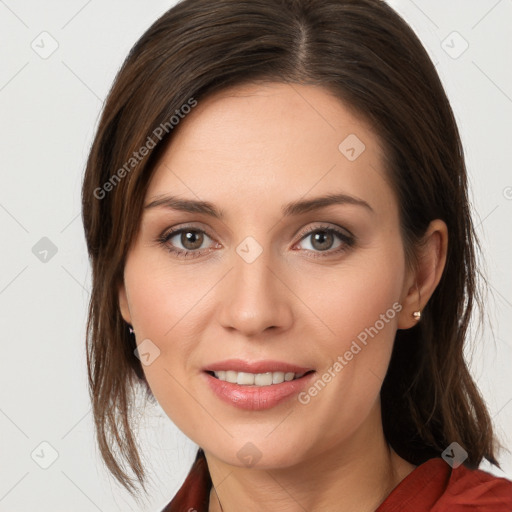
255	298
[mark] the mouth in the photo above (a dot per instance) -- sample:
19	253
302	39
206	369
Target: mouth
256	385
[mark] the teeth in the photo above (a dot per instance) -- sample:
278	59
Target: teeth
256	379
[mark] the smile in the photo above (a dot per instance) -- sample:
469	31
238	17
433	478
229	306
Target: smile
256	379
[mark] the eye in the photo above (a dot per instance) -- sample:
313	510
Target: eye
186	242
328	240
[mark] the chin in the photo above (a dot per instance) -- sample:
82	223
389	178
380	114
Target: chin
256	452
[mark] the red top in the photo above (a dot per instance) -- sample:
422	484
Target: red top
432	487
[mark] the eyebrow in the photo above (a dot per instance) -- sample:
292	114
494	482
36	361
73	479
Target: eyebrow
294	208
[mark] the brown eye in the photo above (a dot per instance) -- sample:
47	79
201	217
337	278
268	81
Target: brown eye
191	240
322	240
187	242
326	241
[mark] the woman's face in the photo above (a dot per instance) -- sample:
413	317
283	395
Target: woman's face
300	269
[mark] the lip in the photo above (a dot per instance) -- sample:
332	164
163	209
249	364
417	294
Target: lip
239	365
256	398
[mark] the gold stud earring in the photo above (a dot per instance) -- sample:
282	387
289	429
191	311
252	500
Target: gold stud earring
416	315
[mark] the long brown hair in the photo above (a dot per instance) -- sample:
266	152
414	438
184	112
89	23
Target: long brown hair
366	54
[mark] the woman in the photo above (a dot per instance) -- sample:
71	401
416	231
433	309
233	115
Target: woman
276	211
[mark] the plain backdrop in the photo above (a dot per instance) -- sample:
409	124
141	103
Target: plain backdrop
49	106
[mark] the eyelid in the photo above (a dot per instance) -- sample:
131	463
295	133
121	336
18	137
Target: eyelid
325	226
183	227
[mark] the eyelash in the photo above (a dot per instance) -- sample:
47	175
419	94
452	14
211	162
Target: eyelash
348	241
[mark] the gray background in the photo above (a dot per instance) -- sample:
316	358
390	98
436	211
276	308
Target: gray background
49	108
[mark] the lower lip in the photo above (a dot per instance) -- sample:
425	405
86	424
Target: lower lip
256	398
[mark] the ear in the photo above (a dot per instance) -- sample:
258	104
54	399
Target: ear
424	278
123	304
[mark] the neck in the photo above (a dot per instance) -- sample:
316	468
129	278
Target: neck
357	474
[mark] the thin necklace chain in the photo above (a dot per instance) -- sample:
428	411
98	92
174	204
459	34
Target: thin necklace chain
222	510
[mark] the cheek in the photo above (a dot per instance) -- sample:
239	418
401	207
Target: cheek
360	306
356	296
158	302
162	299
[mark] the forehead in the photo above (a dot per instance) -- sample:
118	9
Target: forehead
291	111
272	140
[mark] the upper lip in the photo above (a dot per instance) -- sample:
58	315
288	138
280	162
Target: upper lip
264	366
